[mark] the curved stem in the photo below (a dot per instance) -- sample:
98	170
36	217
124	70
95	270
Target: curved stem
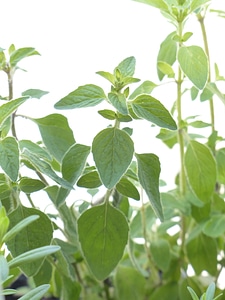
10	88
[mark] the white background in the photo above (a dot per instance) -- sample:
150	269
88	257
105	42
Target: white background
78	38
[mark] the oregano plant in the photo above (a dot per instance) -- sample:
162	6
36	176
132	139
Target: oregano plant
137	238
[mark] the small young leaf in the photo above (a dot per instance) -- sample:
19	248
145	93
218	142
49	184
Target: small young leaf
103	234
8	108
127	188
90	180
21	53
148	173
108	114
155	3
210	291
194	63
145	88
56	134
84	96
4	223
9	157
201	170
127	67
215	226
166	69
110	77
34	93
113	151
151	109
37	293
118	100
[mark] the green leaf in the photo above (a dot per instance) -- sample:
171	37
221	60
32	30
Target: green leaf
30	185
201	170
220	158
21	53
127	67
168	137
129	284
194	93
35	148
18	227
202	253
34	93
160	250
56	134
151	109
9	157
84	96
197	3
186	36
37	293
8	108
4	223
127	188
166	291
73	164
215	226
148	173
45	168
118	100
167	53
110	77
32	256
4	269
36	234
192	293
90	180
199	124
166	69
107	114
210	291
145	88
112	151
103	234
194	63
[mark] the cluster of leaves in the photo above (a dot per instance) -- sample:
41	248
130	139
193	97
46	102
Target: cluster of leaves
111	249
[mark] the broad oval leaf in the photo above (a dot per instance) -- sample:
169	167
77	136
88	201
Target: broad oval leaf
30	185
194	63
9	157
84	96
118	100
36	234
151	109
112	151
201	170
8	108
160	250
215	226
148	173
103	234
56	134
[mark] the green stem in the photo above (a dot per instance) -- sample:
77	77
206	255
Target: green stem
10	88
201	19
154	272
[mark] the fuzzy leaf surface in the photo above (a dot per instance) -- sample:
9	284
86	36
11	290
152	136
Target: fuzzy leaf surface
84	96
113	151
148	173
103	234
151	109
